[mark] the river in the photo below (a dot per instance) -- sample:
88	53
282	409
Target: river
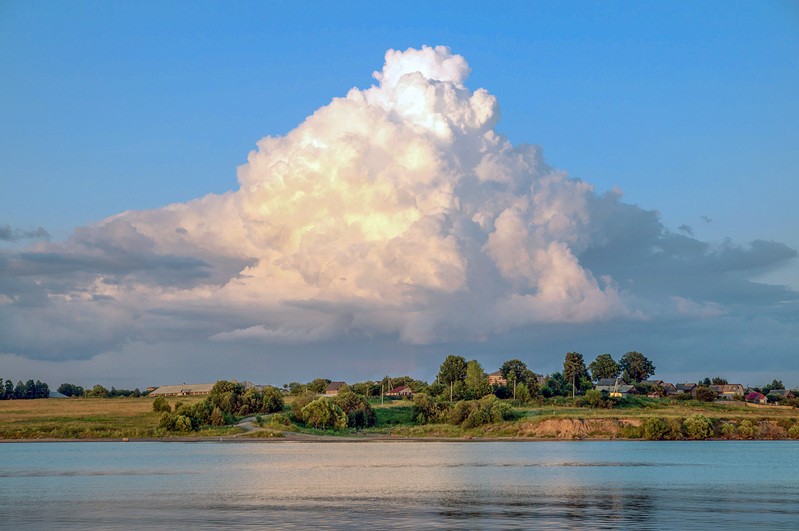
401	485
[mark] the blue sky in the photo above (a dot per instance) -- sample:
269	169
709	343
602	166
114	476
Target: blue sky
688	108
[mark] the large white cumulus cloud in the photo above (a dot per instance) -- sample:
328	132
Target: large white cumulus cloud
396	210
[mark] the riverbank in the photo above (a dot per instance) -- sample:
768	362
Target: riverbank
97	419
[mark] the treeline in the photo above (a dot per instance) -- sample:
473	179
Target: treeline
22	391
226	401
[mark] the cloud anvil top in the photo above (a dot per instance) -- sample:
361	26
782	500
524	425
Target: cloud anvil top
394	212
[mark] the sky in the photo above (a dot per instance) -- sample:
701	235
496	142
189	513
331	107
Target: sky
283	191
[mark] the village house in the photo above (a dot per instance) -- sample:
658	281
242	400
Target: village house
728	391
756	398
616	387
402	391
781	394
496	378
686	388
333	388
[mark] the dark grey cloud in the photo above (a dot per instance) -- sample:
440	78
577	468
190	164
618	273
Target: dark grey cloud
9	234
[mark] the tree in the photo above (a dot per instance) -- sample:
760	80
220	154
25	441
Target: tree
452	370
98	391
604	366
705	394
273	400
637	366
718	380
514	371
574	369
477	385
323	413
318	385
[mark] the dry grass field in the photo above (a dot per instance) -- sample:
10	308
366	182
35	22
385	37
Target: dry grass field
85	418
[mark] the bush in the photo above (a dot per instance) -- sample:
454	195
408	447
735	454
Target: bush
746	430
629	431
183	423
655	429
697	427
160	404
273	400
793	432
300	402
705	394
427	410
728	430
167	421
596	399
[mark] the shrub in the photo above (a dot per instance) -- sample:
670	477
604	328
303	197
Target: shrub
793	432
183	423
597	399
746	430
628	431
273	400
300	402
697	427
705	394
167	421
160	404
655	429
217	418
728	430
427	410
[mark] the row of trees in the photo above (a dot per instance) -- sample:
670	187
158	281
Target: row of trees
226	401
22	391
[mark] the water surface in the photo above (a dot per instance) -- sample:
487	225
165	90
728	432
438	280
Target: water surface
291	485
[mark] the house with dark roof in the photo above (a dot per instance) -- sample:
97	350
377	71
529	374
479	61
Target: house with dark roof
333	388
610	382
781	393
686	388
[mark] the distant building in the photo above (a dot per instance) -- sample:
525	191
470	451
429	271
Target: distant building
56	394
686	388
401	391
782	393
333	388
756	398
609	382
183	390
496	378
728	391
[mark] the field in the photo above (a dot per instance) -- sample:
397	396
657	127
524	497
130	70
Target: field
85	418
104	418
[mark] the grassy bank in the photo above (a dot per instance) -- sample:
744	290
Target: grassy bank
89	418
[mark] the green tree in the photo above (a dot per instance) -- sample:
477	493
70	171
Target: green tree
98	391
359	413
604	366
323	413
318	385
477	385
515	372
300	402
273	400
68	389
718	380
452	370
705	394
637	366
574	369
